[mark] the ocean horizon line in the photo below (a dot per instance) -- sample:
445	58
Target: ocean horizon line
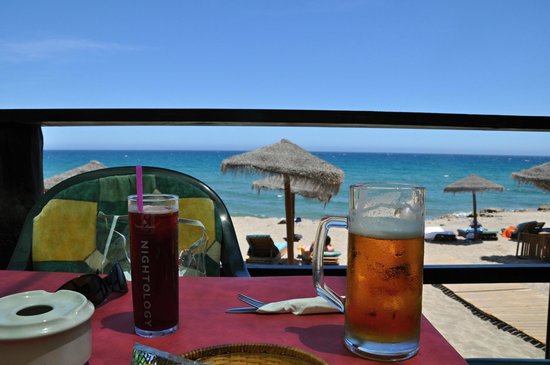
311	151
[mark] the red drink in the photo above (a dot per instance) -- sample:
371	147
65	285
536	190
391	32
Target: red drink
154	255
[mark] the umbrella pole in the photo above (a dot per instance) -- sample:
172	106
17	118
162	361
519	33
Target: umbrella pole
293	205
475	216
289	221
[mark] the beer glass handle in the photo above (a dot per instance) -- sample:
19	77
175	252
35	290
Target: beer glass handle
192	259
321	287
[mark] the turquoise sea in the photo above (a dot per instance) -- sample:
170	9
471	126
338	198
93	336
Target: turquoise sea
434	171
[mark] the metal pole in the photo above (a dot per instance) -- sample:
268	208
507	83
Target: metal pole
475	216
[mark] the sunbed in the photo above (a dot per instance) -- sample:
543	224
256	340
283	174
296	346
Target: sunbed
527	227
482	233
262	249
438	234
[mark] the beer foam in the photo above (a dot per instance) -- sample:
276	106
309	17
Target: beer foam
386	227
152	209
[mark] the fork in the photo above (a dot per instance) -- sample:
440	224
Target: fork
250	301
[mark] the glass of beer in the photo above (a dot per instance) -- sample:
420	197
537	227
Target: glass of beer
383	303
154	262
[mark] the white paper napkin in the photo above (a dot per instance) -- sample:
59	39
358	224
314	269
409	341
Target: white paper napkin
299	306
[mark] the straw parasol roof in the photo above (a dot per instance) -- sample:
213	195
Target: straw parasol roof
473	183
54	180
537	175
293	166
286	158
277	183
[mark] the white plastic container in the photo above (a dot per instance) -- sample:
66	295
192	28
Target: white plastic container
42	328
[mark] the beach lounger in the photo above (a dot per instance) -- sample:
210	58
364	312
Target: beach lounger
482	233
438	234
263	250
331	258
527	227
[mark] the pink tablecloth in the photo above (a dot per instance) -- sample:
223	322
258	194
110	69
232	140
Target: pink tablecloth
203	321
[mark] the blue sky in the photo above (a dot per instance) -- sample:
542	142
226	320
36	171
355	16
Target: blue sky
486	57
312	139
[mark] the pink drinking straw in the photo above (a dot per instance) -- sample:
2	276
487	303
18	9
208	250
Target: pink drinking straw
139	187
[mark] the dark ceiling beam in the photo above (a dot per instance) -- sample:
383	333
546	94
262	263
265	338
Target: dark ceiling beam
275	117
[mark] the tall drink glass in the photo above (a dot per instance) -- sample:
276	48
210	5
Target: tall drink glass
154	261
383	303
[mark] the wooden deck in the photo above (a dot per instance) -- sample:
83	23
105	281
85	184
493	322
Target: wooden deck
515	304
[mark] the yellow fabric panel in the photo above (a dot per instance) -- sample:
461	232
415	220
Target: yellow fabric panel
200	209
65	230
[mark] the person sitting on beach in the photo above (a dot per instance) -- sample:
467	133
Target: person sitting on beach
328	246
306	252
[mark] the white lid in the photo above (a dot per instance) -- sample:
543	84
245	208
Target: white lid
39	313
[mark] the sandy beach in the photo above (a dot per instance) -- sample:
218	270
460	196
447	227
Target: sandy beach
469	334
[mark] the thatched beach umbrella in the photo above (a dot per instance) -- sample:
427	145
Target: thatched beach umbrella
277	183
537	175
54	180
474	184
295	167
